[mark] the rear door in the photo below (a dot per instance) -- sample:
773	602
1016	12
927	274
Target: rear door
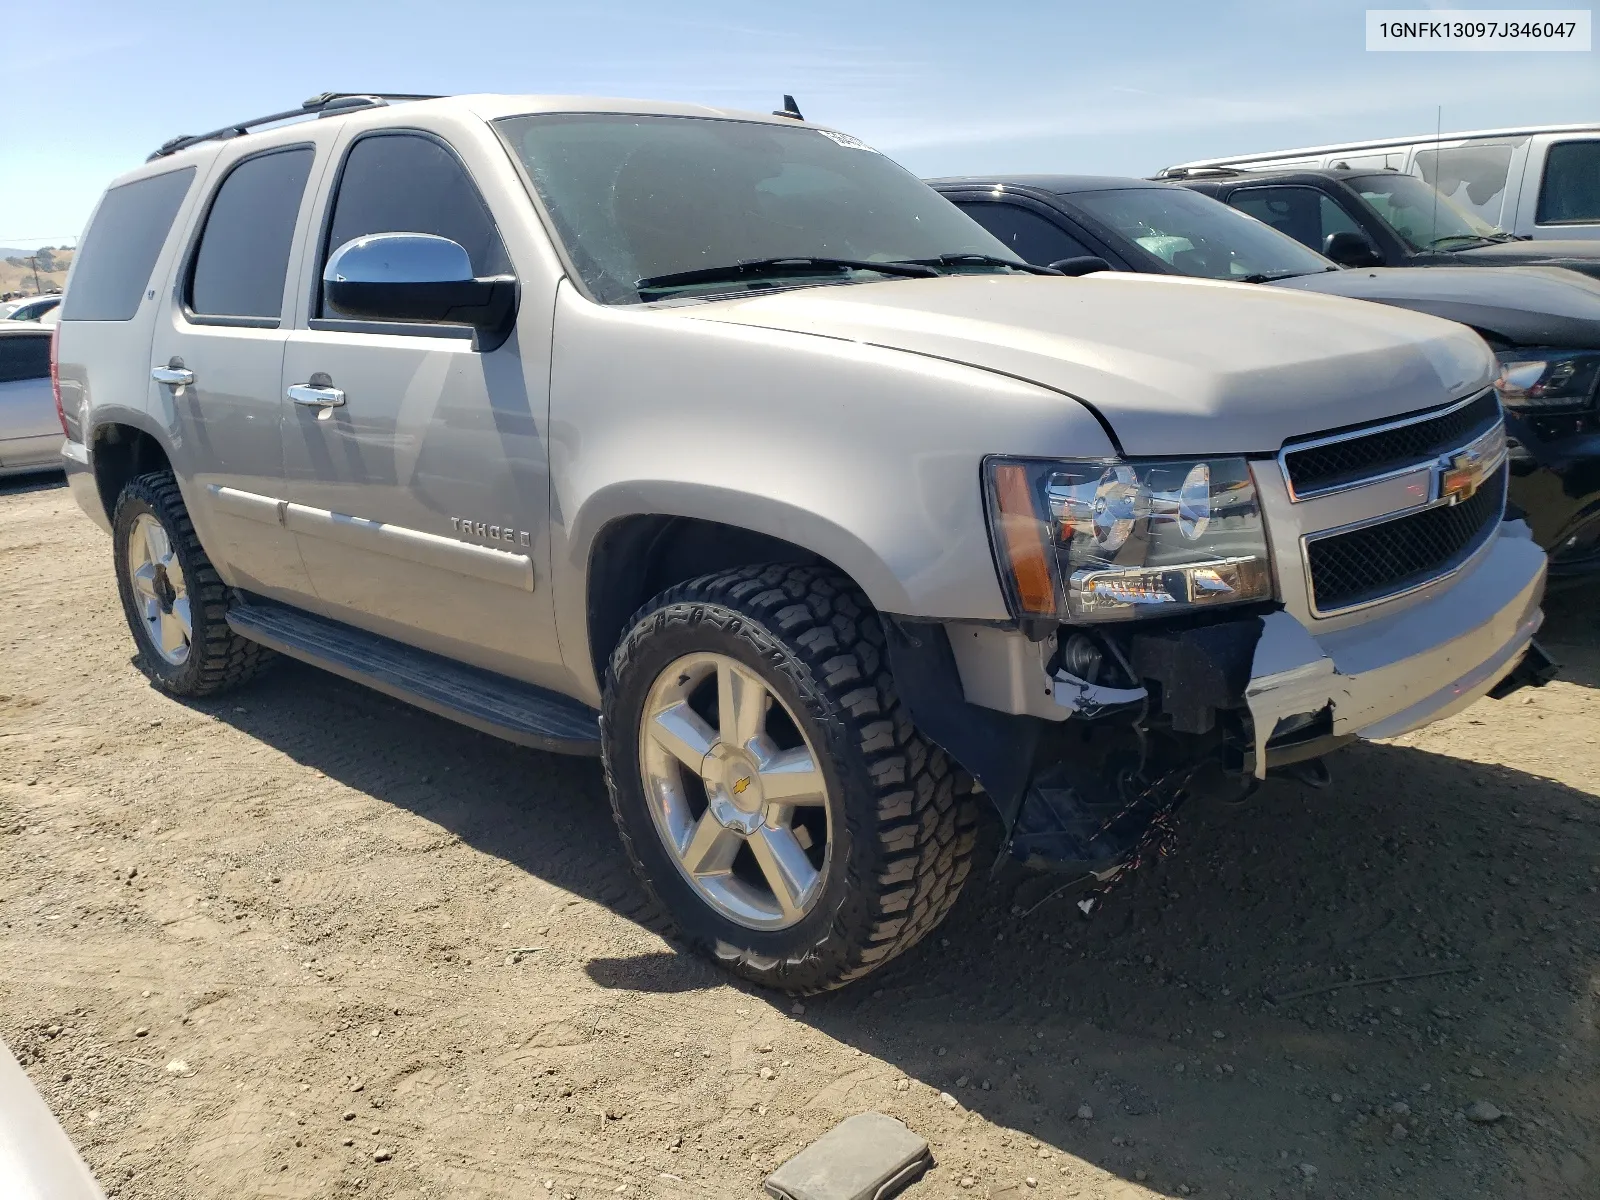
30	433
216	358
421	502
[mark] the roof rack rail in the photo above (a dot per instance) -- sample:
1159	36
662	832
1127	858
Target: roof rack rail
325	104
1193	172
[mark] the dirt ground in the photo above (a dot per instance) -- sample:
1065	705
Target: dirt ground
263	946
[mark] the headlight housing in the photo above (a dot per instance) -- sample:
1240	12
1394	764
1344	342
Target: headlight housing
1542	380
1110	540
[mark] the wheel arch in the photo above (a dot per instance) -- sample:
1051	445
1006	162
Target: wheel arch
122	448
640	555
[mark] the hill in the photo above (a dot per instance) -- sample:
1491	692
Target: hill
16	273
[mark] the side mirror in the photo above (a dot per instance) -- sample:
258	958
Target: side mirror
419	278
1351	249
1084	264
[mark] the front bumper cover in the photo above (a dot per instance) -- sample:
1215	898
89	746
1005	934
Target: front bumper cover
1396	673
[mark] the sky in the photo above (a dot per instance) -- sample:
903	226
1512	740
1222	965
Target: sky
945	86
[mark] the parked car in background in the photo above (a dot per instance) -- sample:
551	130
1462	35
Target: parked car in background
30	427
1540	181
34	308
1379	218
1543	323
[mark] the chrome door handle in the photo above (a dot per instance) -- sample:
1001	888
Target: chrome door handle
172	376
310	395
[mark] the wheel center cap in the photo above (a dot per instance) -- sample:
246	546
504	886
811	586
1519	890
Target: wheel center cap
733	787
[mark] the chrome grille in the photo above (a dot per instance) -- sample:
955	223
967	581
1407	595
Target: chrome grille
1376	561
1346	459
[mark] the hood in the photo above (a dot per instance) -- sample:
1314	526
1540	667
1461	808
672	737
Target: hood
1524	306
1575	255
1173	366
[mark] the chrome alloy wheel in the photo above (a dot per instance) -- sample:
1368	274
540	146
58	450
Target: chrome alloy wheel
159	594
736	791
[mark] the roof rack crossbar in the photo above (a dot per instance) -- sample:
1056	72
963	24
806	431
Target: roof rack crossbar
323	104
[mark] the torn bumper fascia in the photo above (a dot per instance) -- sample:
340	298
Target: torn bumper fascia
1395	673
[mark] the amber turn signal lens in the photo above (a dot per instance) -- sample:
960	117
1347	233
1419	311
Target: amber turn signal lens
1022	540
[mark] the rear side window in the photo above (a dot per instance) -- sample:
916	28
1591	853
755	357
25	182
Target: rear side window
25	356
1028	235
1571	191
121	247
243	255
412	183
1474	176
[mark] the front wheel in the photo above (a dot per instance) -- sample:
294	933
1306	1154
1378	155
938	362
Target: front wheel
768	784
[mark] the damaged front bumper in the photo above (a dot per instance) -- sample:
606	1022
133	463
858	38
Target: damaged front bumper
1084	772
1397	672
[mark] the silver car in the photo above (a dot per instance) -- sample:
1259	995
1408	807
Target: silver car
30	430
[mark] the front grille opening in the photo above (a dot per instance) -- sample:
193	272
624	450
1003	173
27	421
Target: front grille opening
1368	564
1361	456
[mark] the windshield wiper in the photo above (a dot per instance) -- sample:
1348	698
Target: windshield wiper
779	268
1477	238
1261	278
978	260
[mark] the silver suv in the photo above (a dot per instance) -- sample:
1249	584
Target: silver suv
719	446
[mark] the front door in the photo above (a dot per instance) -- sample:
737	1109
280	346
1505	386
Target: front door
217	355
418	477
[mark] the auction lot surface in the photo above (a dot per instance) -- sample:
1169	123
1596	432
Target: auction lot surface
263	946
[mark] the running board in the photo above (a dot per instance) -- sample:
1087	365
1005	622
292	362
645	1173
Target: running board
506	708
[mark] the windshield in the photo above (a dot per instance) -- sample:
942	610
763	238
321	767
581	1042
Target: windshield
1196	235
641	197
1424	218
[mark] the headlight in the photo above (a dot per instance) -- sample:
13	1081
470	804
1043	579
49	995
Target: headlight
1547	379
1107	541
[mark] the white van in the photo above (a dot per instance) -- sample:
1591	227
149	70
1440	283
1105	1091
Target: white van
1540	181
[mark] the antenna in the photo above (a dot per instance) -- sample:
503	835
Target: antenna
789	109
1438	172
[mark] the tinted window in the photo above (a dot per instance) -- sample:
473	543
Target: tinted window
639	197
1025	233
1571	191
1196	235
24	357
1474	176
120	249
1305	214
244	251
407	183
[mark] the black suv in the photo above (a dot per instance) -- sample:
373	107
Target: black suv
1362	218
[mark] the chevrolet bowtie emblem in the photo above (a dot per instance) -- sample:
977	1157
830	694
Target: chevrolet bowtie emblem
738	788
1461	474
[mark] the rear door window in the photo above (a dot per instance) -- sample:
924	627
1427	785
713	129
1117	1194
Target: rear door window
243	256
122	245
1027	234
24	356
1570	194
1295	211
413	183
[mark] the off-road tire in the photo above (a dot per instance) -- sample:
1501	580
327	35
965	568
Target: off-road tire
219	659
903	815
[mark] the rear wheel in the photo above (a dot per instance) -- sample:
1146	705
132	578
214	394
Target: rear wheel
770	788
175	602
